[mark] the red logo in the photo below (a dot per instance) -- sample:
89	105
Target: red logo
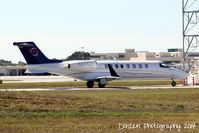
34	51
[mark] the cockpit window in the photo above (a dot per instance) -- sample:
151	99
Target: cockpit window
163	65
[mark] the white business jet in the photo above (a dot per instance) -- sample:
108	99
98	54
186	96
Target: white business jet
96	71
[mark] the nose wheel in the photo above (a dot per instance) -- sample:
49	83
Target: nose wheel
173	83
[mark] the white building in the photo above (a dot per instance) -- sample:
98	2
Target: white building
12	70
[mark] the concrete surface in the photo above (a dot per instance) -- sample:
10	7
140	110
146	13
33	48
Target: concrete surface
31	79
116	88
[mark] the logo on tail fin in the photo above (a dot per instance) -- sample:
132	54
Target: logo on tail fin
34	51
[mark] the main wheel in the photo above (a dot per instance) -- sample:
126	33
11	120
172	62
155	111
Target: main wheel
101	85
173	83
90	84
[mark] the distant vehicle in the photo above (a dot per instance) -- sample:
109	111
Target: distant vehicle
96	71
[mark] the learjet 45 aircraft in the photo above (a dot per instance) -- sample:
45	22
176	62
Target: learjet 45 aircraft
96	71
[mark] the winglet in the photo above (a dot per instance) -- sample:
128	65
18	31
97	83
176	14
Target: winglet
112	71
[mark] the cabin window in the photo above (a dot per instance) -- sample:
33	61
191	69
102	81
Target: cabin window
116	66
146	66
140	66
127	66
122	66
134	66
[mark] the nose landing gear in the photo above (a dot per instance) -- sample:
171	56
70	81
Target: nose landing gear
173	83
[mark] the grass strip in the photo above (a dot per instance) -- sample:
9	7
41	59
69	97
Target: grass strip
81	84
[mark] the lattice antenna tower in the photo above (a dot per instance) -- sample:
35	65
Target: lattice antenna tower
190	19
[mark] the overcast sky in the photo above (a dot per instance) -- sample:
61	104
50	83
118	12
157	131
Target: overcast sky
60	27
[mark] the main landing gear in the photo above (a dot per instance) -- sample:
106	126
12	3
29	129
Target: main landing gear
173	83
90	84
100	85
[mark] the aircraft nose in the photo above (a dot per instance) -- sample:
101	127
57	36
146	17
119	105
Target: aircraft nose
186	74
179	74
183	74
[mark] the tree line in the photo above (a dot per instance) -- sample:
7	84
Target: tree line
75	56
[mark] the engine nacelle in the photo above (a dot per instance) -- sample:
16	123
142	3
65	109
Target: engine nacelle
82	64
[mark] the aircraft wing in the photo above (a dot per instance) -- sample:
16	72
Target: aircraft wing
108	78
113	75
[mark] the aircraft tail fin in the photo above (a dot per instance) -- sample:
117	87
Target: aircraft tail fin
32	54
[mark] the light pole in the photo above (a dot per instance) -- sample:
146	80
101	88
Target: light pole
82	53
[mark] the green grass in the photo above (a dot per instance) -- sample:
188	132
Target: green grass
97	110
82	84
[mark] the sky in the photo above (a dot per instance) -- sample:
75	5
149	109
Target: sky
60	27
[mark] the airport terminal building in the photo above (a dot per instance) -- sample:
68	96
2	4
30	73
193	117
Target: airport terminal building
12	70
171	56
